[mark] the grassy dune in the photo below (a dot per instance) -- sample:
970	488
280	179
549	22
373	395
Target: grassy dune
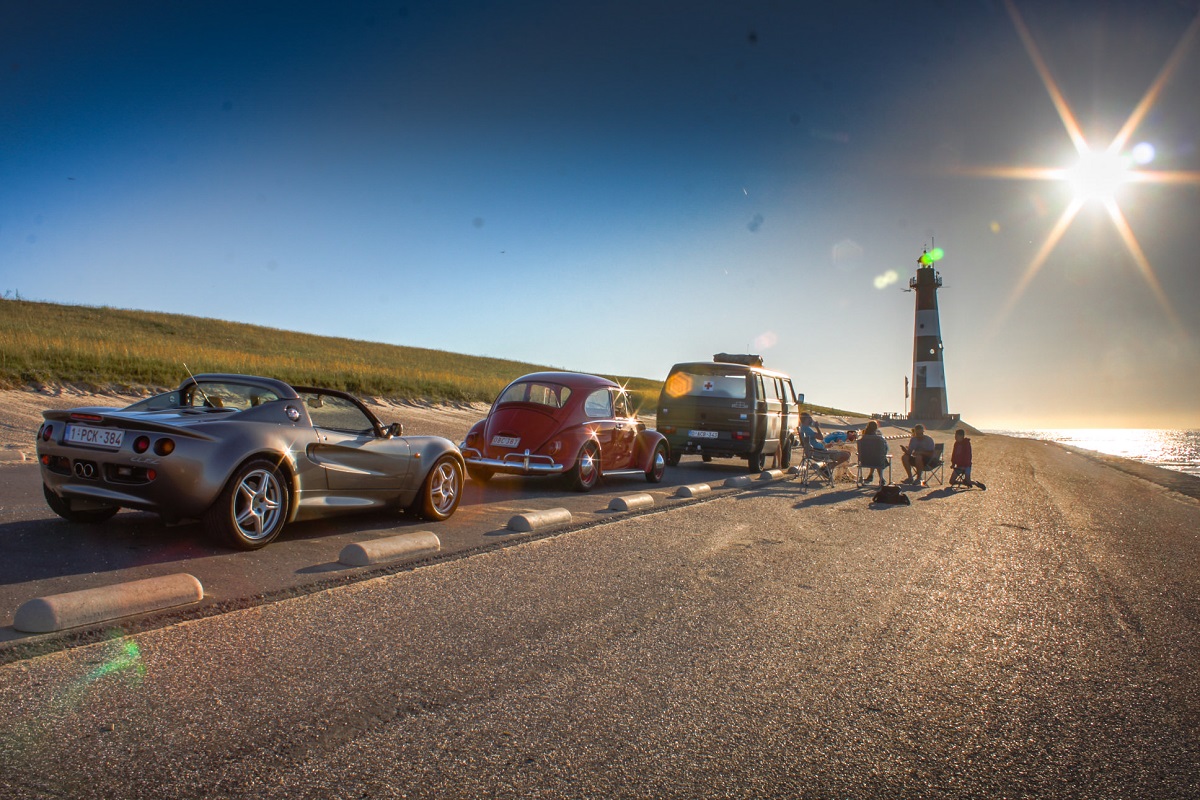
105	348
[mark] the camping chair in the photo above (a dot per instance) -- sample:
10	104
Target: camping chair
873	455
934	466
812	464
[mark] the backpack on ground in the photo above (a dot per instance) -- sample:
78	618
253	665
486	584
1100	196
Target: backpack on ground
891	495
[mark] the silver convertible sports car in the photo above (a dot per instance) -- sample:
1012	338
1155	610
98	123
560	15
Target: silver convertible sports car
244	455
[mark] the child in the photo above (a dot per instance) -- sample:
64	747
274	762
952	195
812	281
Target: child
960	461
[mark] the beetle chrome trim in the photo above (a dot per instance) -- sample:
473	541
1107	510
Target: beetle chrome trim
514	463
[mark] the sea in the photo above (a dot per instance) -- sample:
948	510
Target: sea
1172	449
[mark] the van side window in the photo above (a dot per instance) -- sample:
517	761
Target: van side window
762	389
789	391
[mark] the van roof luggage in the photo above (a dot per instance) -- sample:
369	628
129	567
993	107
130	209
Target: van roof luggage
738	358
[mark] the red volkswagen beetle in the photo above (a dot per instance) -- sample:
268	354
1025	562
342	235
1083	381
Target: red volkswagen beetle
564	423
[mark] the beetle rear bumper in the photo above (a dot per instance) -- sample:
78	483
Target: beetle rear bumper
514	463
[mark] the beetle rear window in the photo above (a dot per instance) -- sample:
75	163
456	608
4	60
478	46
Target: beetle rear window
542	394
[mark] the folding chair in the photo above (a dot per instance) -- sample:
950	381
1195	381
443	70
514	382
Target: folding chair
813	464
934	466
873	457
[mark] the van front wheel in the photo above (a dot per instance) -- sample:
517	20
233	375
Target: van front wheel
756	461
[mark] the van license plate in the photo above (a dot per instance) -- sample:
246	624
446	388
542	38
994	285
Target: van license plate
702	434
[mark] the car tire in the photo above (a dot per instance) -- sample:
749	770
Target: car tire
252	508
480	474
706	458
91	516
440	491
584	476
658	463
756	461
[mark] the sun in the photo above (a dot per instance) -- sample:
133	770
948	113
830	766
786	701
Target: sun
1097	176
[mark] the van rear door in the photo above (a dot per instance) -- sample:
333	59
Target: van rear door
710	405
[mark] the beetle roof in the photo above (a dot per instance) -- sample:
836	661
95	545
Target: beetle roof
572	380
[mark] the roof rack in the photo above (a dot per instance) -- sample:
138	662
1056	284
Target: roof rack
738	358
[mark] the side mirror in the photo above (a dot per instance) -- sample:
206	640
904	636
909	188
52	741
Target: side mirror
394	430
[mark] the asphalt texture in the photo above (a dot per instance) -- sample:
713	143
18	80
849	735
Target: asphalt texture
1039	639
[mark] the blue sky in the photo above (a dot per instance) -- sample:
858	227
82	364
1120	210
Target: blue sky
614	187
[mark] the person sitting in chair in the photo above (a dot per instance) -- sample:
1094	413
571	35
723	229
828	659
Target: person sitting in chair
918	453
960	461
810	432
872	449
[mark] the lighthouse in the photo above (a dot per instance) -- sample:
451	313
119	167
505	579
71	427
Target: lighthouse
929	374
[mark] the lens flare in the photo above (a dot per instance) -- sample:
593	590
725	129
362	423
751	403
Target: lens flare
765	341
1098	173
886	279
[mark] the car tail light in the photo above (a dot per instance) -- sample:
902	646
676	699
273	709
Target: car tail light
554	447
46	460
47	432
87	417
164	447
667	429
141	444
151	474
739	436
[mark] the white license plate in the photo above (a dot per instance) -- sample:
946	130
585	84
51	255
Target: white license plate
96	437
702	434
505	441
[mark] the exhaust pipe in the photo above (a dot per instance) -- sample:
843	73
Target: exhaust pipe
85	469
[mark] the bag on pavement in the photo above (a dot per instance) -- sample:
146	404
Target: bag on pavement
891	494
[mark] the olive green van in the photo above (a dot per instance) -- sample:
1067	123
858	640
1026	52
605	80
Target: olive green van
731	407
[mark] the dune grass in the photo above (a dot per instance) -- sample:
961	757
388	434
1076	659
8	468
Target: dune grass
111	348
118	349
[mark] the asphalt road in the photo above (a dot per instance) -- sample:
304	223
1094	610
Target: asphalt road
1039	639
45	555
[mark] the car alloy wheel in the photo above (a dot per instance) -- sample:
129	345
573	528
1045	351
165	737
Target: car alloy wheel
442	490
253	507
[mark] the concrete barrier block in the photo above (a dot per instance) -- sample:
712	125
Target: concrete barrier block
694	490
740	482
87	606
377	551
534	520
631	502
770	474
